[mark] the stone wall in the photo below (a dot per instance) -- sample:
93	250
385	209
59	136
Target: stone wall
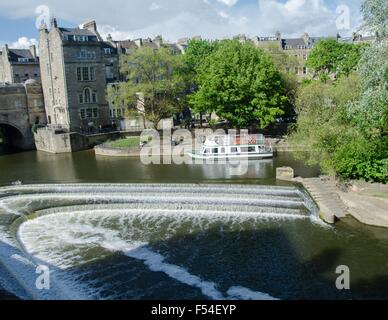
47	140
105	150
14	116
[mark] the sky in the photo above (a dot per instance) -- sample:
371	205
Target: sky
174	19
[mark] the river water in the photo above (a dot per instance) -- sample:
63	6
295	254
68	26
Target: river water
113	228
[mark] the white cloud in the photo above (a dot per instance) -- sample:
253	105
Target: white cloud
223	14
23	43
174	19
229	3
154	6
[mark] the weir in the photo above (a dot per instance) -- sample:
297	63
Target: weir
58	225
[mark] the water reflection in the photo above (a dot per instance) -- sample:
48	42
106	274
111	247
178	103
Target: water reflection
85	166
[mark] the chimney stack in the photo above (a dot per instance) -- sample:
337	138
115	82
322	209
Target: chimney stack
33	51
90	25
54	23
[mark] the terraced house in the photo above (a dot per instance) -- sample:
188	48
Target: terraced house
76	66
19	65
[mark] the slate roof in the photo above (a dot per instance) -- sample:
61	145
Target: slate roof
15	54
299	43
76	32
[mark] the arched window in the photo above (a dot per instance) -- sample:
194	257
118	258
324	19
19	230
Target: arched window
87	95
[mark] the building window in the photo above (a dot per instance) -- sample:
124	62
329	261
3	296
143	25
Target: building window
94	97
85	74
89	113
83	54
79	74
87	95
107	50
23	60
81	98
83	114
92	74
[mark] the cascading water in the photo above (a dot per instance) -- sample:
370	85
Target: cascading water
104	241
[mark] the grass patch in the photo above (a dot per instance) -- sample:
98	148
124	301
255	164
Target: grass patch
130	142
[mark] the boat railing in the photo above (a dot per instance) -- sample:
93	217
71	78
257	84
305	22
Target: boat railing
227	140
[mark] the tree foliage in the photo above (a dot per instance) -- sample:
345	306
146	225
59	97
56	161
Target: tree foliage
345	123
197	51
330	57
155	84
241	84
375	14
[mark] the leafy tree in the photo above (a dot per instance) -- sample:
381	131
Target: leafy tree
375	14
197	51
371	113
241	84
330	57
155	84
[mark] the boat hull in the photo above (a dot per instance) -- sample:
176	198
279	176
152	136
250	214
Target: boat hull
253	156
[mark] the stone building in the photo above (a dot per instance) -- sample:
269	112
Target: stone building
76	66
21	107
19	65
297	47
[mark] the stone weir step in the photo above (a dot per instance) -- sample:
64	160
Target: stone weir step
324	193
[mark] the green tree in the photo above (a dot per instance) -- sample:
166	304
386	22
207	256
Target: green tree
241	84
322	124
155	85
330	57
375	14
197	51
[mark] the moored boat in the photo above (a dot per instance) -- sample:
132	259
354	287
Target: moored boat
234	147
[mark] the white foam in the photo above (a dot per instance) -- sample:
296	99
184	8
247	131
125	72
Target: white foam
62	238
241	293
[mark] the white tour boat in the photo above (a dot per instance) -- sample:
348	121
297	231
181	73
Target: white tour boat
234	147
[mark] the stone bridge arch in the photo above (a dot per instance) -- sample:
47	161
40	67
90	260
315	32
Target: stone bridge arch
13	135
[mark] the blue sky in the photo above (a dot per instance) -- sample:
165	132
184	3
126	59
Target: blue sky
174	19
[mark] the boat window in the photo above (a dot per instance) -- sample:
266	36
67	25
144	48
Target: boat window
222	150
234	150
206	151
251	149
215	151
244	149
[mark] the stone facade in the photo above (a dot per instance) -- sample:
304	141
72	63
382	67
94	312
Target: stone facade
21	107
19	65
299	48
76	66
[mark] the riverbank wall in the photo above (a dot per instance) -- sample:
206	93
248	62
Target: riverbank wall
56	141
366	202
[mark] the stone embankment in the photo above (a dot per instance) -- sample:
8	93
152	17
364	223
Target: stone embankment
326	194
106	150
366	202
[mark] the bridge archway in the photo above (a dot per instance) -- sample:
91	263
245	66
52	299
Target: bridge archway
13	137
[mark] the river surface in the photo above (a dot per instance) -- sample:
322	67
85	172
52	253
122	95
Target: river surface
113	228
